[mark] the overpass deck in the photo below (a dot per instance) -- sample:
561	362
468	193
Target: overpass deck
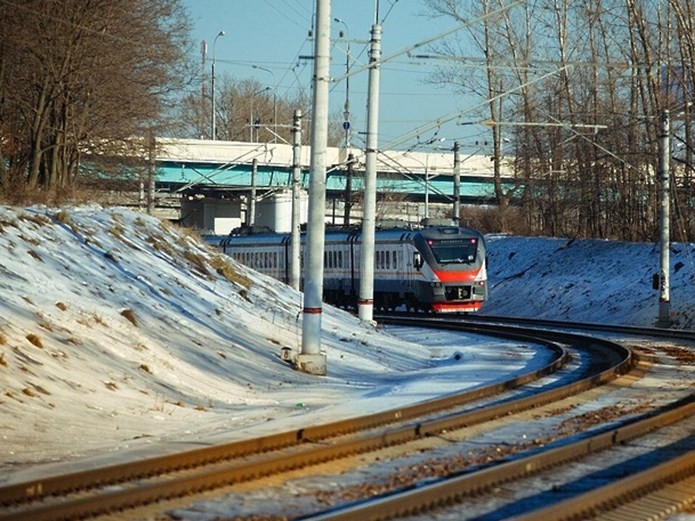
202	165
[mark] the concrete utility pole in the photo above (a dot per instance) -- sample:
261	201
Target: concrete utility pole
295	237
251	217
311	360
365	304
457	183
664	319
212	87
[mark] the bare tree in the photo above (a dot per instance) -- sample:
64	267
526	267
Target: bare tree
585	141
80	78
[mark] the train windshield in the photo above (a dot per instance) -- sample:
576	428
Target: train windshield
454	250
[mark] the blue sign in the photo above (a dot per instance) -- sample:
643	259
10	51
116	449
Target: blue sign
346	125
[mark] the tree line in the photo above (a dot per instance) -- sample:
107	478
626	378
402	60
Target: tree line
585	139
100	79
575	91
83	77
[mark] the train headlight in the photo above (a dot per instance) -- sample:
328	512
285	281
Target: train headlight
436	284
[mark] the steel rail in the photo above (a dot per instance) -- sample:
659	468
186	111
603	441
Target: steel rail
656	491
453	490
306	453
681	334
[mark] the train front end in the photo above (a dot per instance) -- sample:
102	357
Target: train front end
452	269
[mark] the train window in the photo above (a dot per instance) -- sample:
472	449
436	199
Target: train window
394	257
387	258
454	251
417	260
340	259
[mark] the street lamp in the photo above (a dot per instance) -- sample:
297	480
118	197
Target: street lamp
275	104
346	109
213	116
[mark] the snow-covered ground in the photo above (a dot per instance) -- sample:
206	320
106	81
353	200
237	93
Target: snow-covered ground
118	331
606	282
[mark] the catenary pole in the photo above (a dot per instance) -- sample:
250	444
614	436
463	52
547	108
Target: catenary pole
295	238
365	304
213	113
311	360
664	319
457	183
251	217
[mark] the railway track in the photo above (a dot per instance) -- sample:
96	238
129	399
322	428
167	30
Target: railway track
112	489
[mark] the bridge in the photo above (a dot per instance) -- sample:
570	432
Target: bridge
209	170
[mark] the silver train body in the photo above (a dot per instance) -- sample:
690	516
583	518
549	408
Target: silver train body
439	268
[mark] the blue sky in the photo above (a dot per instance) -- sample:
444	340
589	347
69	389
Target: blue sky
274	35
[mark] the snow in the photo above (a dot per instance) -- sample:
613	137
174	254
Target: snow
121	334
607	282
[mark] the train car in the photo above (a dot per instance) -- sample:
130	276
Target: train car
437	268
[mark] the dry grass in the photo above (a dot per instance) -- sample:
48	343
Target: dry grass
159	244
4	223
117	230
129	314
35	340
198	261
35	218
30	240
224	268
35	255
64	217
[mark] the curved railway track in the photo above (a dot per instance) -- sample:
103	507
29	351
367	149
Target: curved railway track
112	489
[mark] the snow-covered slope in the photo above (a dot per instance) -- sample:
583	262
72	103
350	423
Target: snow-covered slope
587	280
115	327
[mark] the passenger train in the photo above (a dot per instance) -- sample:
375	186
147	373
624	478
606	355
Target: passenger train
436	268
